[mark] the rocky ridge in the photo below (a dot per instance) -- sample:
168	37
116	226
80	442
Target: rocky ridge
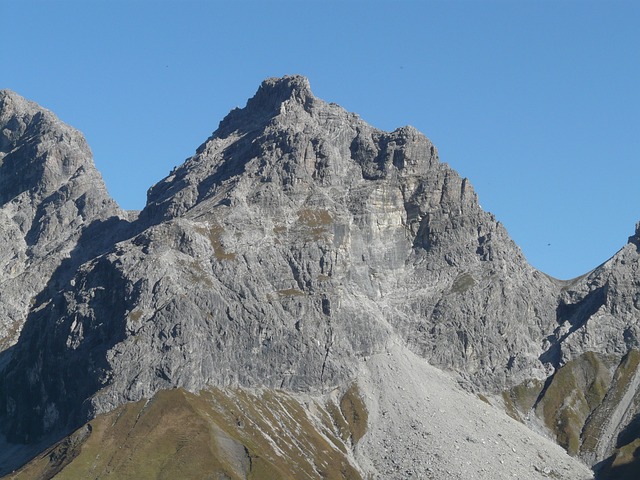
50	193
592	402
297	246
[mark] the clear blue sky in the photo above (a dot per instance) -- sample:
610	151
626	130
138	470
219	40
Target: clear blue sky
536	102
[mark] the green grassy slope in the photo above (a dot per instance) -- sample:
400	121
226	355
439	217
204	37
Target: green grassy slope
218	434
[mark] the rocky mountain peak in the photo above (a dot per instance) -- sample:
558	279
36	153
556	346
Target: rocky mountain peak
50	192
275	91
291	142
16	114
10	101
44	164
267	103
23	119
39	152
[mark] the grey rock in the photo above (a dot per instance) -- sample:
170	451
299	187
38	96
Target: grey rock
600	313
50	193
295	245
285	251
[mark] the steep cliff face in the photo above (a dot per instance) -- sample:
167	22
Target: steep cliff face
50	193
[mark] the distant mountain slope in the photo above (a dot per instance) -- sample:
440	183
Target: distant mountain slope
298	252
592	403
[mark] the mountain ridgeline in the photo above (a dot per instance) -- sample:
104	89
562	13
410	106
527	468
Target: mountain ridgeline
306	270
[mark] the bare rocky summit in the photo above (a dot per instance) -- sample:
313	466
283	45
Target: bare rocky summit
302	255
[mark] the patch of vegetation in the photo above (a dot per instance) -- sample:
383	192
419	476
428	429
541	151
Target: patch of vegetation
339	421
568	426
624	464
355	413
231	434
291	292
601	381
521	398
315	221
574	392
59	456
135	315
462	283
624	373
627	454
524	396
214	234
618	387
509	408
273	417
162	439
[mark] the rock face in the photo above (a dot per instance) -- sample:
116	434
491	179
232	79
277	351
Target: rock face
50	194
592	403
297	248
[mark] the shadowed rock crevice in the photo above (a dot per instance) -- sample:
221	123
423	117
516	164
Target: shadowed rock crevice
571	317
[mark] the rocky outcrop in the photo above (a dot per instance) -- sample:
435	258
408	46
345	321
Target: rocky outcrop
50	196
592	403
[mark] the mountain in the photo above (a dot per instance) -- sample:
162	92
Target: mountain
310	297
50	192
592	402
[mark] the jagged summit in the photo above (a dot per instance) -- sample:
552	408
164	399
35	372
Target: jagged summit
267	103
50	191
10	99
275	91
289	139
17	115
41	154
7	95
